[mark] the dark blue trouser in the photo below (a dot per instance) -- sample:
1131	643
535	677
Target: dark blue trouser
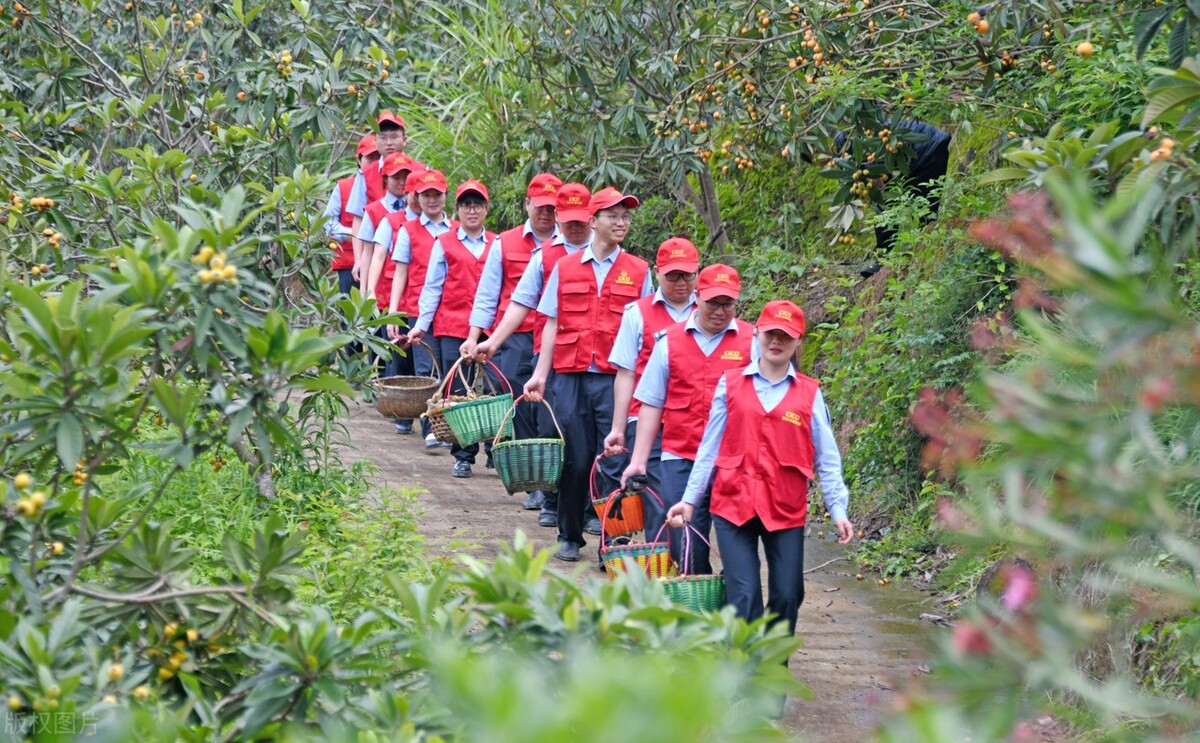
785	569
447	349
674	474
544	429
583	403
653	477
346	282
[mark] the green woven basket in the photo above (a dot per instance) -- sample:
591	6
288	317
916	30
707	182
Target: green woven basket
695	592
478	418
528	464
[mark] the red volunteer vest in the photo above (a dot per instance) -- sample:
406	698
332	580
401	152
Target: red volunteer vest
420	243
766	459
374	183
551	254
655	319
378	213
692	381
463	269
587	323
343	257
516	249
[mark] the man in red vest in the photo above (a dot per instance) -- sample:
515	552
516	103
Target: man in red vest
506	263
369	188
380	222
455	266
677	264
411	253
584	299
574	234
339	222
768	434
677	385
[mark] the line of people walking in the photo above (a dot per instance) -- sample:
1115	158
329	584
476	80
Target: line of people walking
649	366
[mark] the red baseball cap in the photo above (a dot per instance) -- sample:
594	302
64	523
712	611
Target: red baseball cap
474	187
606	198
397	163
430	180
389	117
677	254
719	280
781	314
571	203
543	189
366	146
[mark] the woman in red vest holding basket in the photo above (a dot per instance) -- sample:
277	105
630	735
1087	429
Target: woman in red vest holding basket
768	435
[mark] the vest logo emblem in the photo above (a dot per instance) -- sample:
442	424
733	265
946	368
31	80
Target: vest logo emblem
625	278
732	356
791	417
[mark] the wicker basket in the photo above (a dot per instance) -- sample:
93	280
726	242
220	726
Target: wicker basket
406	397
695	592
478	417
625	518
653	558
528	464
435	413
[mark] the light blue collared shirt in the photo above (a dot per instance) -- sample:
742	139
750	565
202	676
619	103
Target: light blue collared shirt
828	462
548	306
402	252
333	215
491	282
531	286
368	229
435	276
628	344
652	387
385	236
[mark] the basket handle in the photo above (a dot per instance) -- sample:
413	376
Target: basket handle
513	411
443	390
488	378
437	368
688	531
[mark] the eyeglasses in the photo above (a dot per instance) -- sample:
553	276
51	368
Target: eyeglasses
677	276
716	306
472	207
625	218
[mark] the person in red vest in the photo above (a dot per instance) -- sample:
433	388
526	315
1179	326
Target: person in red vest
382	219
574	234
455	265
677	264
584	299
676	386
768	434
506	263
339	222
391	138
411	253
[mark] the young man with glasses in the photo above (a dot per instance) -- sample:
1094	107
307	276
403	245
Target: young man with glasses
677	388
585	296
369	187
455	265
411	253
510	255
676	264
574	234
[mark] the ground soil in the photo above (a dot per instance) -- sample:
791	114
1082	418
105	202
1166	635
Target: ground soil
860	640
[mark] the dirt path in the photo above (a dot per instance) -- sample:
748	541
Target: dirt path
857	638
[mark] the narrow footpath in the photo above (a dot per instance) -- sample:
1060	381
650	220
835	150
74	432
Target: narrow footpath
859	639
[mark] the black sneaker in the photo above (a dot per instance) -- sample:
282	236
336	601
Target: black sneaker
592	525
404	428
869	270
548	518
534	501
568	552
462	468
488	465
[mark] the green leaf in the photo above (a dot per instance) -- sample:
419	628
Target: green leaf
70	440
1179	41
1147	28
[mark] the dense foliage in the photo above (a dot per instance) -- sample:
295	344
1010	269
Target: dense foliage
176	523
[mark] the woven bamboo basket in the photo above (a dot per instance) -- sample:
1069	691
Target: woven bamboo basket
478	417
695	592
652	558
404	396
528	464
621	512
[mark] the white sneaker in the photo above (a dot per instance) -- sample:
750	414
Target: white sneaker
432	445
